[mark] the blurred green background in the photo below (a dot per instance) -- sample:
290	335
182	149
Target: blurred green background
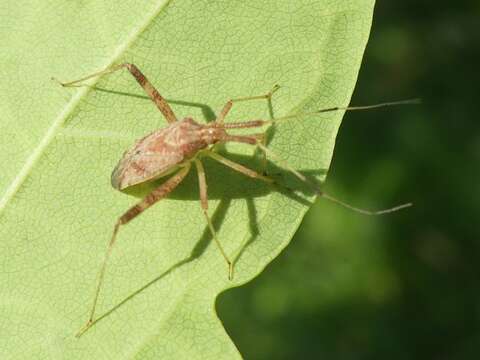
406	285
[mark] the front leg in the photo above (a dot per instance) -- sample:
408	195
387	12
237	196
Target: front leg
147	86
228	106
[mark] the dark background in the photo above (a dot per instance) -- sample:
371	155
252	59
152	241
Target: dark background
401	286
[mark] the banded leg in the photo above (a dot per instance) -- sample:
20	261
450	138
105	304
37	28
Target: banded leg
202	182
228	106
156	195
149	89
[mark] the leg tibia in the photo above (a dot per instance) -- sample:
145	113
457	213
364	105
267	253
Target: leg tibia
228	106
149	89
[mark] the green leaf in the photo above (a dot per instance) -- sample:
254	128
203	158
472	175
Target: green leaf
57	208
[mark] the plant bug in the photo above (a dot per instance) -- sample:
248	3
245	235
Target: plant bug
173	150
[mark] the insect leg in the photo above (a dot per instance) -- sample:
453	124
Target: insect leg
240	168
156	195
253	140
149	89
204	202
319	192
229	104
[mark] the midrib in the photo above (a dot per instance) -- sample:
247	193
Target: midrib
71	105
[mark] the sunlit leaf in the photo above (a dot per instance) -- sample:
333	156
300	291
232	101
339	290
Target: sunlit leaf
57	208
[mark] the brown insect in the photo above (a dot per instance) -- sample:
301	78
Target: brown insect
172	151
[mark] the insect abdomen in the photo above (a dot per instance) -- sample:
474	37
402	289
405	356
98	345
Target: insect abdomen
158	153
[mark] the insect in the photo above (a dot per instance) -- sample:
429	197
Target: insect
174	149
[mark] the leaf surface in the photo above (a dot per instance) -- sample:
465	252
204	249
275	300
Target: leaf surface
57	208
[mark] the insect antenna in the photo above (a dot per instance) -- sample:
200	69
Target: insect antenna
258	123
254	139
346	108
